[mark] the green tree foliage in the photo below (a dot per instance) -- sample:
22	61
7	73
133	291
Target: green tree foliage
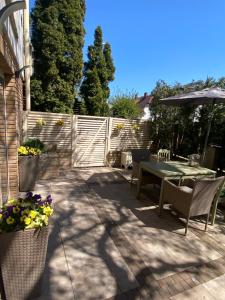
98	73
125	106
183	129
57	38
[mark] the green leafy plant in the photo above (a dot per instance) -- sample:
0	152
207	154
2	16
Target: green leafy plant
31	147
29	212
34	143
125	106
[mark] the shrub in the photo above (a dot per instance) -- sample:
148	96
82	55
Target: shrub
34	143
125	106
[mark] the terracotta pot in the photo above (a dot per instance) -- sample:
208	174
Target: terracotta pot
22	263
28	172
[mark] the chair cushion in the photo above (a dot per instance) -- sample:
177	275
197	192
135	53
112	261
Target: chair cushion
186	189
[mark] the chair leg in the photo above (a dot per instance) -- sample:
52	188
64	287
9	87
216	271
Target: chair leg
207	221
186	228
132	178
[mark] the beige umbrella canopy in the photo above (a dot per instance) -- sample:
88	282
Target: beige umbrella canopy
211	96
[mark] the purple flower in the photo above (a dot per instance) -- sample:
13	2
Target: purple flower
37	197
49	199
10	209
29	195
6	214
21	210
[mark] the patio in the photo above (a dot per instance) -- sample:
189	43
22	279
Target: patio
106	244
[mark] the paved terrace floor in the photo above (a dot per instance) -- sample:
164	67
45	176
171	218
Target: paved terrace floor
106	244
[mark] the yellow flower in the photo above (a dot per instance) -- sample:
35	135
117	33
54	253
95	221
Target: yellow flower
48	211
22	150
22	219
34	151
46	220
10	221
27	221
25	212
11	202
16	210
32	214
1	215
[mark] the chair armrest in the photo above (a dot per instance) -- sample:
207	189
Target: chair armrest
177	196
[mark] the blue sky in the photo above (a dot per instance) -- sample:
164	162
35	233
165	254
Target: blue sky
173	40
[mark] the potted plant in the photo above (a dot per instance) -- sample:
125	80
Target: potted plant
119	127
59	123
29	154
23	240
135	128
41	122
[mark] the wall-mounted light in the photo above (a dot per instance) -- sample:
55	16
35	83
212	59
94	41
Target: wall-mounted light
19	72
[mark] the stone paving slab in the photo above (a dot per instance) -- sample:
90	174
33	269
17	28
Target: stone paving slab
105	244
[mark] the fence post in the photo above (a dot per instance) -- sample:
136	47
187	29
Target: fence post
73	138
108	141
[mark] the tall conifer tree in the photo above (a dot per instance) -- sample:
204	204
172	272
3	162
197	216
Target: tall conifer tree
100	68
58	39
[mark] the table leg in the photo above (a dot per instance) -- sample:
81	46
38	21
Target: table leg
161	197
214	209
139	183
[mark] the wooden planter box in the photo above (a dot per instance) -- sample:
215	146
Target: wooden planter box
22	263
28	172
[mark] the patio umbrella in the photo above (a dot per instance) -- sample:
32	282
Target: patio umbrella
211	96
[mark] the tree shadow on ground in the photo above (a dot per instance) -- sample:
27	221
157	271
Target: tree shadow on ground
117	222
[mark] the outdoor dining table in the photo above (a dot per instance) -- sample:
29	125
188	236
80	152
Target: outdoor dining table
172	170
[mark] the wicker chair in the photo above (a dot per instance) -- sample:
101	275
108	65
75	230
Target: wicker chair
138	155
195	201
163	155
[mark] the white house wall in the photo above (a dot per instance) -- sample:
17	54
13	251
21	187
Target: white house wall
14	33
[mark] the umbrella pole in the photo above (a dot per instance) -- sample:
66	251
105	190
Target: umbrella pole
208	131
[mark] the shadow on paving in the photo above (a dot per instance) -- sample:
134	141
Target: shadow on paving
92	213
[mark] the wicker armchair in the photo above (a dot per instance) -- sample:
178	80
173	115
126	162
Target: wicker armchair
163	155
195	201
138	155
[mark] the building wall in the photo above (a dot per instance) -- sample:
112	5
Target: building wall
13	33
11	100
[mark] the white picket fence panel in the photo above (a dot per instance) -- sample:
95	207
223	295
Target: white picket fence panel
87	140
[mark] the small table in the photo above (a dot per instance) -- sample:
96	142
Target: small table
172	170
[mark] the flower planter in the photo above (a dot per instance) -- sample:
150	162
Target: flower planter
28	172
22	262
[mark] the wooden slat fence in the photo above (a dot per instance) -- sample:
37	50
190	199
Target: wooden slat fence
86	140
